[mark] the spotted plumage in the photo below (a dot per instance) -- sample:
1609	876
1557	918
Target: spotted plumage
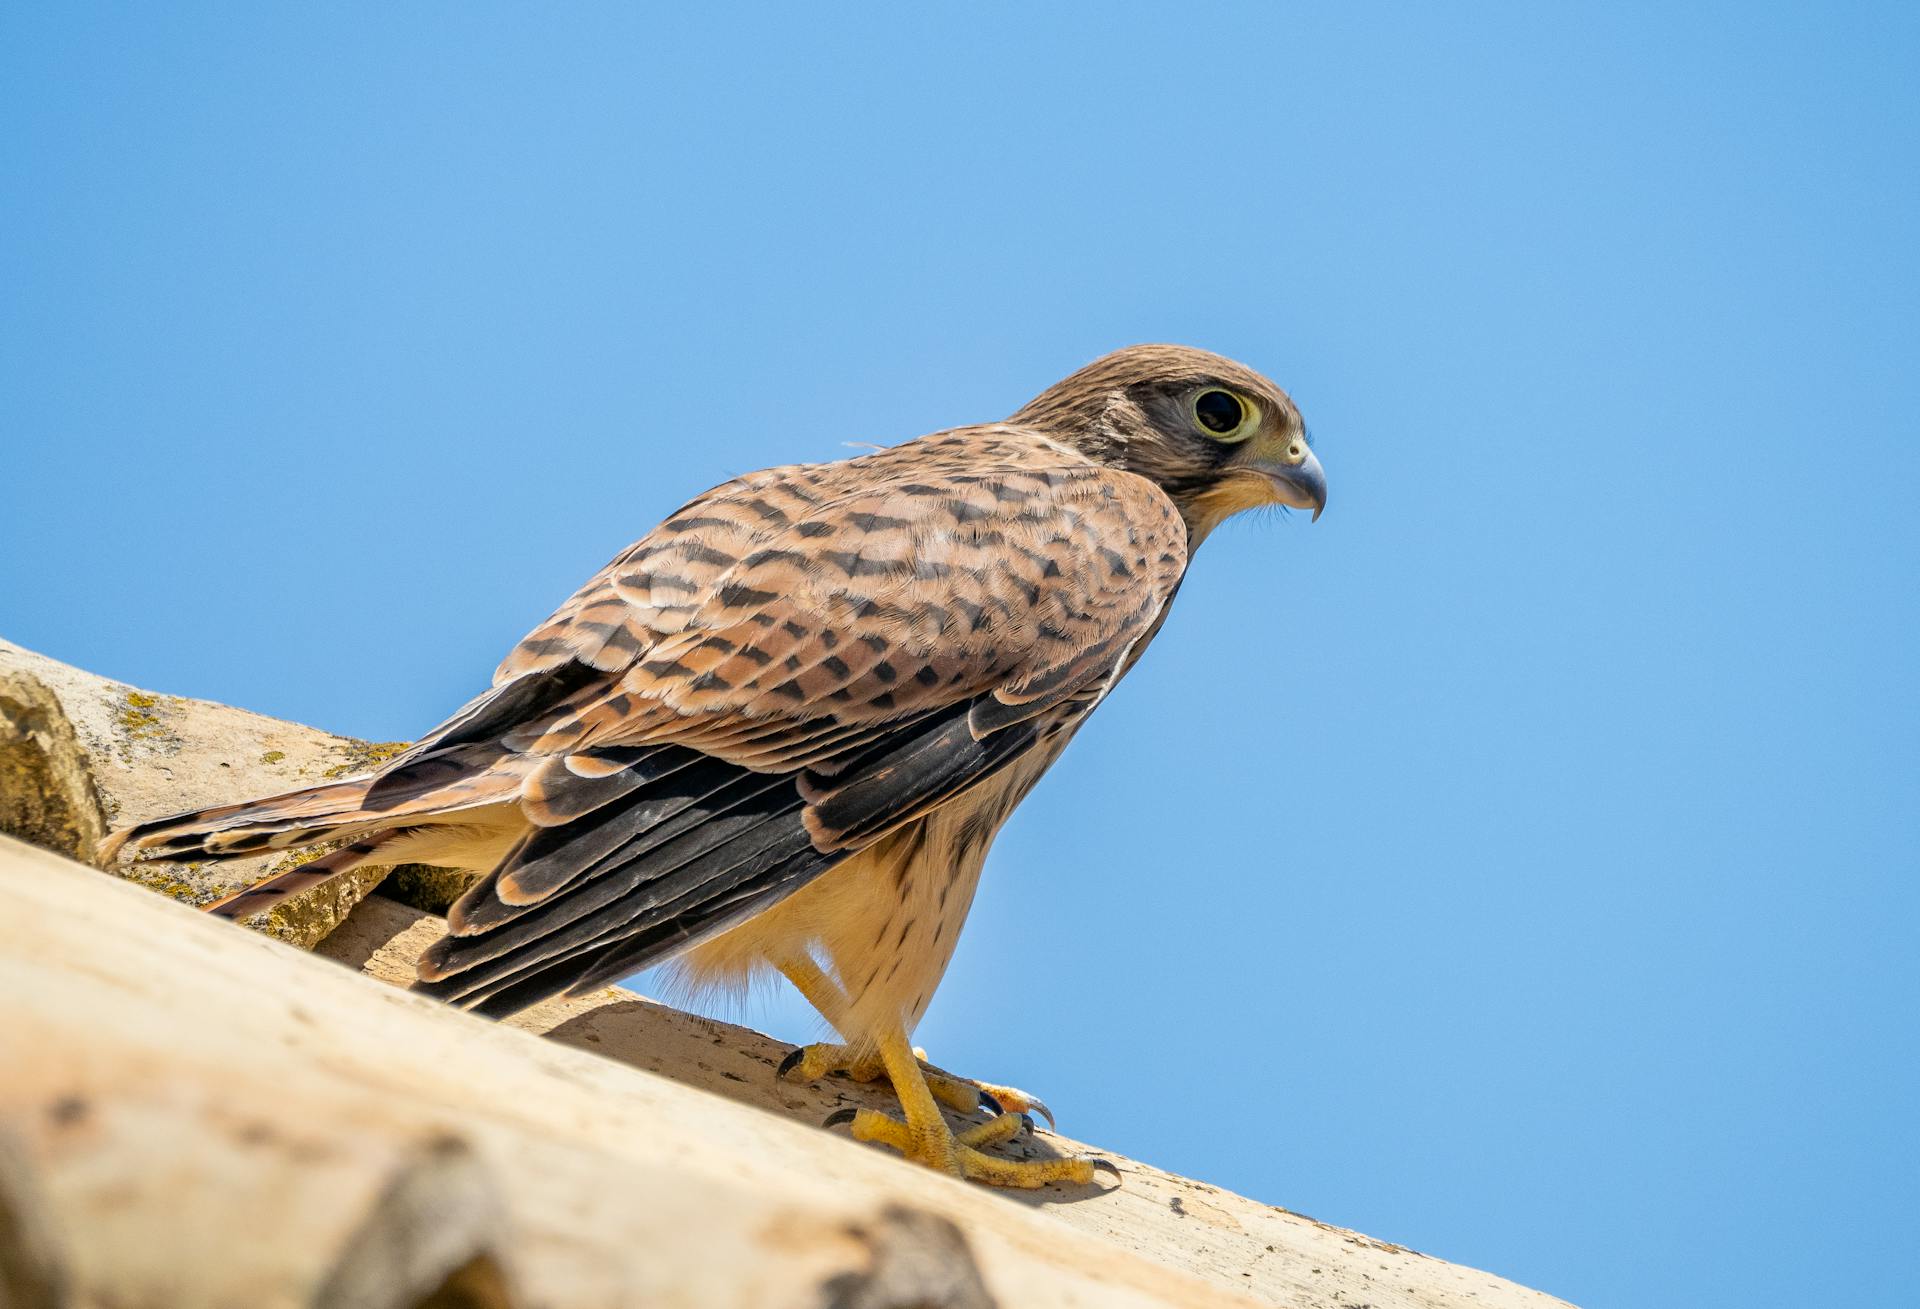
790	719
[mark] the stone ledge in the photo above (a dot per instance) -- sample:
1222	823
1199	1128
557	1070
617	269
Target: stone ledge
226	1088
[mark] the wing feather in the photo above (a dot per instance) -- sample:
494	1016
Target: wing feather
785	670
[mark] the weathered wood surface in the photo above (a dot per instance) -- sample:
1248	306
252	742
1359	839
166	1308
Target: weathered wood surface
200	1103
1274	1255
213	1117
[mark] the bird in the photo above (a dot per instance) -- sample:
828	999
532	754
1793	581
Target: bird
779	732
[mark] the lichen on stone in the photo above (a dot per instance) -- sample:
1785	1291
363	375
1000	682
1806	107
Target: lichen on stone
159	875
136	716
137	721
365	756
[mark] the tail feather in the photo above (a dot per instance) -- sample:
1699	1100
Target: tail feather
232	830
265	895
459	779
426	809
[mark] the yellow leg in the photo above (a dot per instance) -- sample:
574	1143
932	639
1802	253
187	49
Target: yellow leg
821	991
810	1063
926	1139
924	1136
929	1139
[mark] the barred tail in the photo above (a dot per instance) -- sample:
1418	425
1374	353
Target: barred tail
230	831
265	895
436	793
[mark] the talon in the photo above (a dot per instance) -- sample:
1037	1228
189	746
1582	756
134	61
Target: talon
924	1135
1011	1097
791	1062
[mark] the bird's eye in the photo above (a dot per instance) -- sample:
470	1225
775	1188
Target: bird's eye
1221	413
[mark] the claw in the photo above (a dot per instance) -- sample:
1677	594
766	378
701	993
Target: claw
990	1104
1099	1163
791	1062
1026	1123
1046	1113
841	1117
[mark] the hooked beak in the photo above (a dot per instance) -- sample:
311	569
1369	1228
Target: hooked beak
1300	486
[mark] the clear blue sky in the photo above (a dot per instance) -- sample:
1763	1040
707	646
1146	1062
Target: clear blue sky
1520	863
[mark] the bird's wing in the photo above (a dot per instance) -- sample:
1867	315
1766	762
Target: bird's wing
782	672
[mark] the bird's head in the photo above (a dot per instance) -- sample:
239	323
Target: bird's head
1216	436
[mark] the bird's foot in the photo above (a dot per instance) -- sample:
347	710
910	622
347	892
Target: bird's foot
810	1063
963	1095
952	1089
924	1135
960	1155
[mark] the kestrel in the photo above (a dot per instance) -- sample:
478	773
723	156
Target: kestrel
781	730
